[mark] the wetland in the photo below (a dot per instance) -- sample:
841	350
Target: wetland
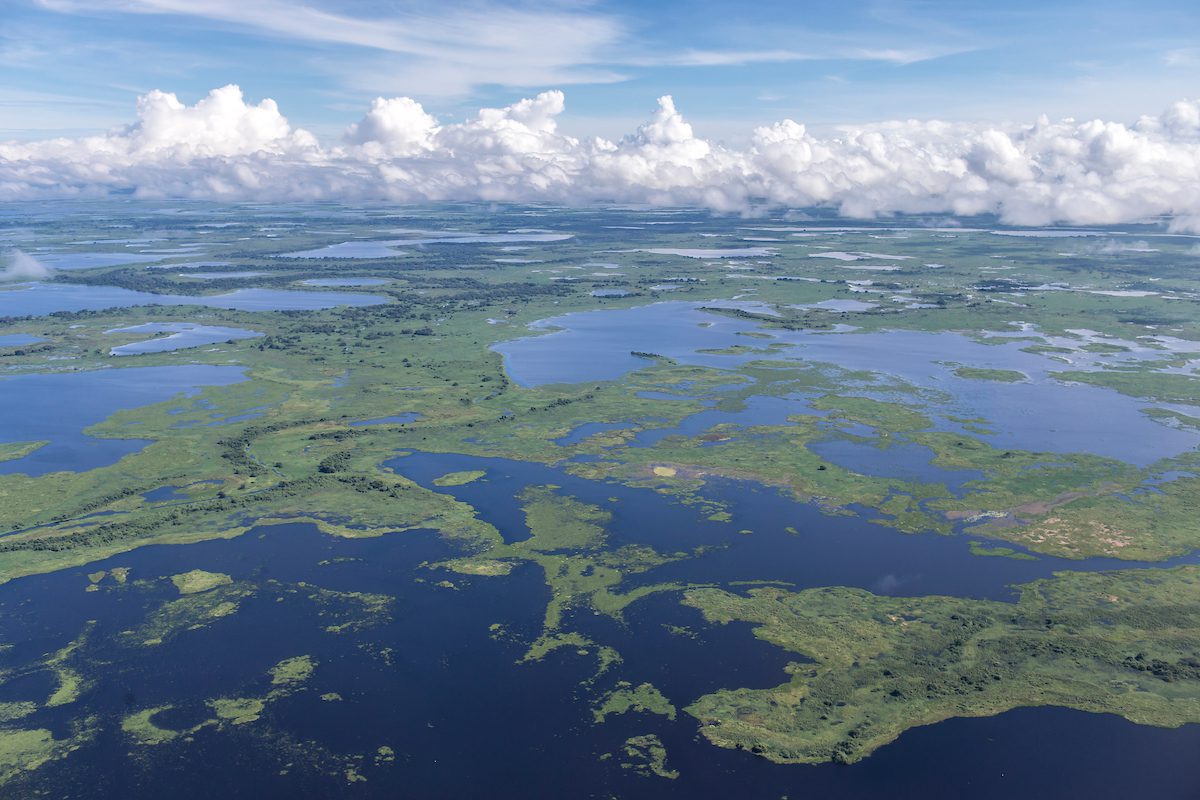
419	500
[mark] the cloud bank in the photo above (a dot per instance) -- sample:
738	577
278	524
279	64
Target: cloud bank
223	148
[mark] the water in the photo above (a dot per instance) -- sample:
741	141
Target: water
59	407
838	305
72	261
386	248
755	410
164	494
350	250
596	346
39	299
581	432
282	300
459	711
724	252
464	718
827	550
904	461
182	335
18	339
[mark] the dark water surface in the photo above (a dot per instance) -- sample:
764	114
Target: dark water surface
825	550
466	720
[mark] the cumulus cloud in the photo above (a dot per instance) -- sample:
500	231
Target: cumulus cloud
1089	172
20	266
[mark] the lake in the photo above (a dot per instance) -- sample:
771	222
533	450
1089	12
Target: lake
181	335
39	299
59	407
597	345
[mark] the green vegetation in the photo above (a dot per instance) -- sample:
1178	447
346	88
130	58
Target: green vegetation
238	710
1173	418
284	446
11	451
459	478
1162	386
626	697
647	756
292	670
199	581
980	549
288	676
1120	642
24	751
568	541
190	612
1002	375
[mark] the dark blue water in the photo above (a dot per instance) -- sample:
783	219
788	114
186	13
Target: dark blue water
825	550
465	719
59	406
163	494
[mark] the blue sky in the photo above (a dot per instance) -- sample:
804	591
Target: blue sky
75	66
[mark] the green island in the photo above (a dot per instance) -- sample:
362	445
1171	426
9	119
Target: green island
1120	642
981	374
459	478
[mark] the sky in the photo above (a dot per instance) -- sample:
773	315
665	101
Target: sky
69	67
1040	112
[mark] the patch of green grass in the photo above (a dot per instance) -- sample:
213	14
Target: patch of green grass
980	549
644	698
11	451
198	581
459	478
1001	375
647	756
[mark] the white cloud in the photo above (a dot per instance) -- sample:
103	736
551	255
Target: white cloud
397	126
450	49
444	49
1092	172
20	266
